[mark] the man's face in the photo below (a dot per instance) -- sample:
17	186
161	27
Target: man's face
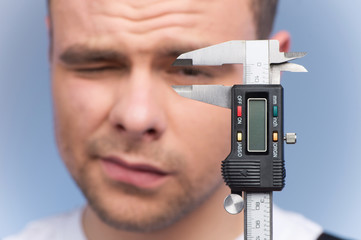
142	155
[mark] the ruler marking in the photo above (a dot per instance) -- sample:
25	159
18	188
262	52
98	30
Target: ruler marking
258	207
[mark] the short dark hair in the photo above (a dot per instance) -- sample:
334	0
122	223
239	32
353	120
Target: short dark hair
264	12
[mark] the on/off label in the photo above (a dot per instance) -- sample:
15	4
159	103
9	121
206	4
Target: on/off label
239	109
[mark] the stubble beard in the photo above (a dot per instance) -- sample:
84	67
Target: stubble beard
152	211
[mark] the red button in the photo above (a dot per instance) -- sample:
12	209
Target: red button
239	111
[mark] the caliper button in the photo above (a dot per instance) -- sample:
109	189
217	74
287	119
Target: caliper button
239	111
275	136
275	111
239	136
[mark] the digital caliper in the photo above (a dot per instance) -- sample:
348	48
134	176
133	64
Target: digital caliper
255	167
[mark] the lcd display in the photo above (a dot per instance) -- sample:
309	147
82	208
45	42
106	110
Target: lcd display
257	125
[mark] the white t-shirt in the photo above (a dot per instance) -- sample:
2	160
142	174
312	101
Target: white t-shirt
68	226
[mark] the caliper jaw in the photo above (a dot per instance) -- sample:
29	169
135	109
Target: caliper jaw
220	95
231	52
276	69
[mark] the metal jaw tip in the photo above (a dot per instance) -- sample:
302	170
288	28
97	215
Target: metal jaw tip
276	69
218	95
183	62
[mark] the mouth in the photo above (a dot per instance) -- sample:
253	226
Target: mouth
140	175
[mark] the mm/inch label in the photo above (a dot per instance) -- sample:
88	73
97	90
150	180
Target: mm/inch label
258	216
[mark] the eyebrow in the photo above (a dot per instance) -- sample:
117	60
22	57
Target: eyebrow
178	49
79	54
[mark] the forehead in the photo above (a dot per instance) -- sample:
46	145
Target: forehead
142	24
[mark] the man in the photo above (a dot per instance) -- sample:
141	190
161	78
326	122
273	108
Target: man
147	159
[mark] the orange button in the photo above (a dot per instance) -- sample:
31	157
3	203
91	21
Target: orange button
275	136
239	111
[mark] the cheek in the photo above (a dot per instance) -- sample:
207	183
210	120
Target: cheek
81	104
80	107
205	137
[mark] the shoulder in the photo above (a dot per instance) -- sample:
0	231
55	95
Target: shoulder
290	225
63	226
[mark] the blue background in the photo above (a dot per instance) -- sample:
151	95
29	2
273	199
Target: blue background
322	106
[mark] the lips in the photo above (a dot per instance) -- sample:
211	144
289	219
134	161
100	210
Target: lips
139	175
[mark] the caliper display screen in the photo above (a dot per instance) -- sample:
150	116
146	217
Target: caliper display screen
257	125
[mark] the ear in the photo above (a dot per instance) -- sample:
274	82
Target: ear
284	39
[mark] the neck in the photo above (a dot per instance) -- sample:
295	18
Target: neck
208	221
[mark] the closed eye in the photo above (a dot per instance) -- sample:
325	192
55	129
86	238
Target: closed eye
97	69
190	72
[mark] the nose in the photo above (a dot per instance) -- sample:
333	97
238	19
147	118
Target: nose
138	112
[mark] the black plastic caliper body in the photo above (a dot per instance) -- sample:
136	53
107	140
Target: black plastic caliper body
256	162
